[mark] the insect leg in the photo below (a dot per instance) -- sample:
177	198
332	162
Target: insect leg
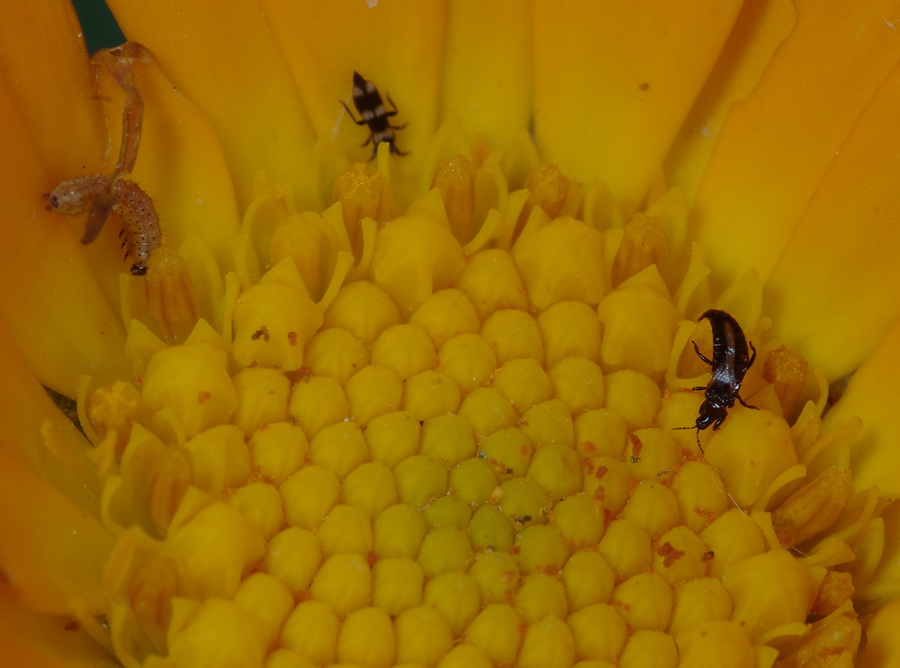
101	207
120	61
397	151
753	356
352	117
699	354
745	404
393	112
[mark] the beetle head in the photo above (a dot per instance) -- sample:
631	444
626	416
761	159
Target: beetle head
710	415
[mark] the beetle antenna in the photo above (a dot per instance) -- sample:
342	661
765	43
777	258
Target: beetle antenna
698	435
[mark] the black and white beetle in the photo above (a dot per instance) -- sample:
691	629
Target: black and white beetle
730	361
368	103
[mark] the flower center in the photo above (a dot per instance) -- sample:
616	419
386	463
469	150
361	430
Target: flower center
464	435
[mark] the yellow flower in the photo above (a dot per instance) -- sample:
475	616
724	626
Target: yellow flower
441	408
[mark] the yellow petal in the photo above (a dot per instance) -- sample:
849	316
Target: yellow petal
27	414
872	396
614	81
50	302
265	126
839	315
883	643
775	146
759	29
42	641
325	42
42	43
487	82
51	555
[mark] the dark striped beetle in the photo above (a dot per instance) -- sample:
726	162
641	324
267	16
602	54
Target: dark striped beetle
730	362
368	103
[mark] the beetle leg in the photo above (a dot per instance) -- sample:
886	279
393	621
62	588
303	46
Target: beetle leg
352	117
745	404
752	357
393	112
700	387
397	151
699	354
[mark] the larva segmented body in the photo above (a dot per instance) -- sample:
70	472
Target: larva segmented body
141	223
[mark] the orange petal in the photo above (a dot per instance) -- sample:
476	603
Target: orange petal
398	46
44	68
759	29
614	82
53	552
43	641
226	61
48	298
27	415
776	145
872	395
835	285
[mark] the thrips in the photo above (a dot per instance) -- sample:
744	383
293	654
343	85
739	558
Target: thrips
368	103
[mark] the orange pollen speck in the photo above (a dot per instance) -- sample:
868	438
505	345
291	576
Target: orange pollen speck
202	397
706	513
636	446
670	554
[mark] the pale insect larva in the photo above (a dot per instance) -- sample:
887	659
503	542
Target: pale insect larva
101	195
141	223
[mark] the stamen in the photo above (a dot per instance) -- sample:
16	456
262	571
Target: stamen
786	371
547	188
455	180
360	193
115	408
171	295
814	507
644	243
